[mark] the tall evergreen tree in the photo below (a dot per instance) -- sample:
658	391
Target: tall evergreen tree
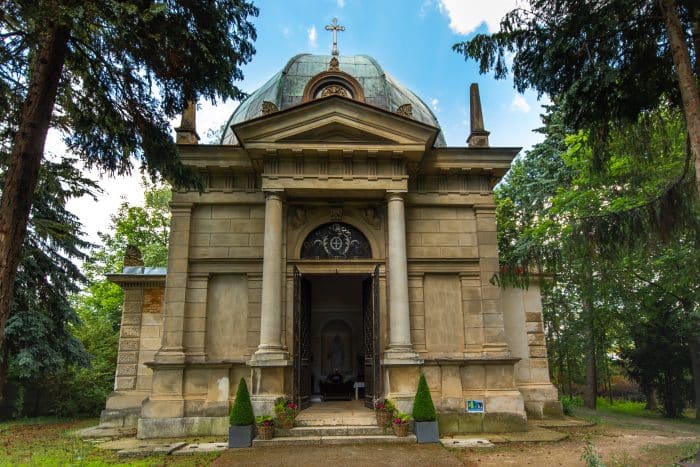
608	64
38	338
109	75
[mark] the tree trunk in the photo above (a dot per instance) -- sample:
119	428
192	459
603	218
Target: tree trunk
650	396
4	365
686	81
590	392
25	160
694	346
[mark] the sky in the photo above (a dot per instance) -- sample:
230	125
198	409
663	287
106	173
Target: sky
411	39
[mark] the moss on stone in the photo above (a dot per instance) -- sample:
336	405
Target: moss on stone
504	422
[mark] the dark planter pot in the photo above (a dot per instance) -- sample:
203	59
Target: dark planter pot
426	432
240	436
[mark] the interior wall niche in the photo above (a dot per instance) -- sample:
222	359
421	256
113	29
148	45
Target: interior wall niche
337	348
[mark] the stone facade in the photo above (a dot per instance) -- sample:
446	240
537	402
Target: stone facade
239	299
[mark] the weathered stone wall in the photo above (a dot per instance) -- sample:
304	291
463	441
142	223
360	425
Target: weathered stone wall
139	339
523	312
441	232
227	231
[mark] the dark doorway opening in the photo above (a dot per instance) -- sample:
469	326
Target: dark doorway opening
336	337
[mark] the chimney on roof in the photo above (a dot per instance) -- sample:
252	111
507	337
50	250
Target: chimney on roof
478	137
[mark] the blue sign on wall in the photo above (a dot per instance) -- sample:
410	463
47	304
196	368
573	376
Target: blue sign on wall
475	406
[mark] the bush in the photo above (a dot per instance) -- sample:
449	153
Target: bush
242	410
568	404
423	407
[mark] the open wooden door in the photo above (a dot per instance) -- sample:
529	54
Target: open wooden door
301	371
370	318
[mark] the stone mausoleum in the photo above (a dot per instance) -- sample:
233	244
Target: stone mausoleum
339	248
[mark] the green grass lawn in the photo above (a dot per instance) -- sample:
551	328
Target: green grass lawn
51	442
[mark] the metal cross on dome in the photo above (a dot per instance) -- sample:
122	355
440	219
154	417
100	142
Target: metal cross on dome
335	27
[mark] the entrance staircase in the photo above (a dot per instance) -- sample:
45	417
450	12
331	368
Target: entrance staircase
334	423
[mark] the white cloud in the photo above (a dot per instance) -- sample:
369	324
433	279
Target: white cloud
435	104
520	104
424	7
313	35
467	16
341	3
285	31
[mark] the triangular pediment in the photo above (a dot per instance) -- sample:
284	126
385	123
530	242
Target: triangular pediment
337	132
337	122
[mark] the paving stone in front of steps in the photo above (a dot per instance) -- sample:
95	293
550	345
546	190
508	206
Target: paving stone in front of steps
342	430
466	443
200	448
147	449
333	440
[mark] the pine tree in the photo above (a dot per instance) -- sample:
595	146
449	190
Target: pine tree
109	75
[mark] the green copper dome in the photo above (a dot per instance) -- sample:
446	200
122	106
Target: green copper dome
286	89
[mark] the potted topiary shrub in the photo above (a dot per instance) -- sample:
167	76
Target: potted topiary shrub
242	428
425	418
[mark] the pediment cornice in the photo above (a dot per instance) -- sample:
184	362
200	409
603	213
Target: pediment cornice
335	124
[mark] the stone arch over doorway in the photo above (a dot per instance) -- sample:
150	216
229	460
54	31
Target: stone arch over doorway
335	240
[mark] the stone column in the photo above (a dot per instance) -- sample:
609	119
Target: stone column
172	349
400	347
270	348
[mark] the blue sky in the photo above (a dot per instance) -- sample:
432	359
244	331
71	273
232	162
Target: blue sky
411	39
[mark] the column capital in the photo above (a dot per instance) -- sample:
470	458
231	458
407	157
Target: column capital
395	195
274	195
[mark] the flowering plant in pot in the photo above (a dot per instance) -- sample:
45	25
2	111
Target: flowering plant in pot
266	426
426	425
400	424
286	412
241	429
384	411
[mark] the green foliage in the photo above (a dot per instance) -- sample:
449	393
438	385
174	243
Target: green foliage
623	406
39	343
82	391
615	57
423	407
585	228
568	403
264	420
591	457
242	409
401	418
129	68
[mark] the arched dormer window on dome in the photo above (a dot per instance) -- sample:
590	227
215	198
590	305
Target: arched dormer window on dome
333	83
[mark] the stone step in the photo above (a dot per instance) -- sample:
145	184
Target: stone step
338	430
332	440
336	420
